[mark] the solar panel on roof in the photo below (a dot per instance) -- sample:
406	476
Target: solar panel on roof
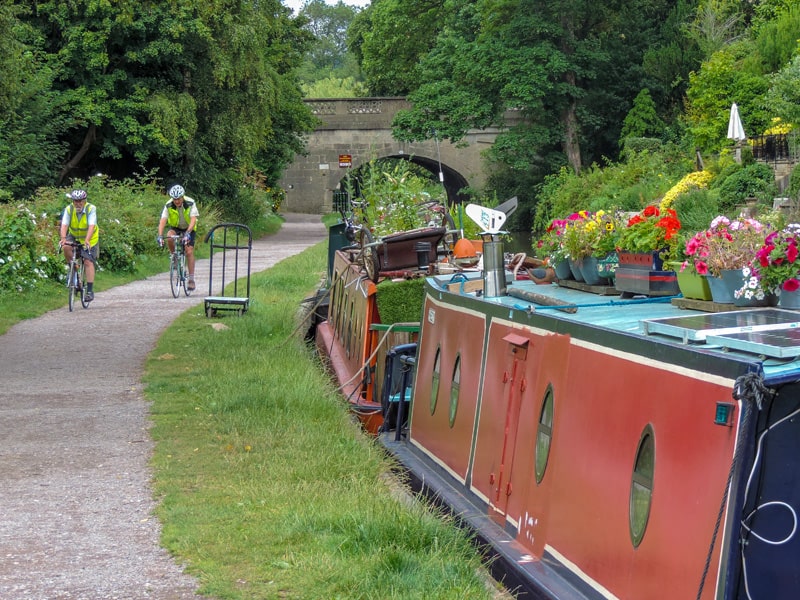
778	343
697	328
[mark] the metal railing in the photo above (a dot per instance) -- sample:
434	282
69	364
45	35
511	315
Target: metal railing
776	147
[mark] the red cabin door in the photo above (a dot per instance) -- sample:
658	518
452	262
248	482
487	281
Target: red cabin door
514	385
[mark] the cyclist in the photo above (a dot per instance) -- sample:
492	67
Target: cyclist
180	214
79	225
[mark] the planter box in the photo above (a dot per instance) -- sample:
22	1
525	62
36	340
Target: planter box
647	261
643	281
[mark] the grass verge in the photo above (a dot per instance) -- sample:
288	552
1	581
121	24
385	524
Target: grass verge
267	489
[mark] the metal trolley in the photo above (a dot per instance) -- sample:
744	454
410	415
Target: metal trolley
228	241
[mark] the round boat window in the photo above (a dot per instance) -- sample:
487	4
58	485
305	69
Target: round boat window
454	389
642	485
544	434
437	364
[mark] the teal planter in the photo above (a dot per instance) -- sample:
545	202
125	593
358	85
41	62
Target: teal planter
562	270
790	300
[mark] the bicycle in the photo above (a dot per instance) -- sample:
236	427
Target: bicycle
178	274
76	279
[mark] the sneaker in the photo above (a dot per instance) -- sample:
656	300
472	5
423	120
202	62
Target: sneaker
190	285
89	296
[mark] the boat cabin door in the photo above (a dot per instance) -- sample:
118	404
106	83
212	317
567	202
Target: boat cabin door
514	384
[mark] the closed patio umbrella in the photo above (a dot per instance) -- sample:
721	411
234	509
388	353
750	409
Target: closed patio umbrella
735	127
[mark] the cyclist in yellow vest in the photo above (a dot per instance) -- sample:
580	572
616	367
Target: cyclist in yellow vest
79	225
180	214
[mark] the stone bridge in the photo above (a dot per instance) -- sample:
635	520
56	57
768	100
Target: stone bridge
357	130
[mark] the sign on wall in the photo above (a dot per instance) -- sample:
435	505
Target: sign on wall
345	161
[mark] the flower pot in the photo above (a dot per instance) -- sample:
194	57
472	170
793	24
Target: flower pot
720	292
575	268
693	285
743	293
789	300
562	269
642	273
589	269
607	266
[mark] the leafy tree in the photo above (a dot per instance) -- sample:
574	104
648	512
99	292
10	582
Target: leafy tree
570	68
783	98
670	58
31	115
202	91
720	82
642	120
777	40
387	45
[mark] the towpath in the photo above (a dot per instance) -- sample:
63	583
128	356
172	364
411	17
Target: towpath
77	508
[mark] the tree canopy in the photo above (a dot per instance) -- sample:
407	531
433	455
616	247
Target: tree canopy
205	92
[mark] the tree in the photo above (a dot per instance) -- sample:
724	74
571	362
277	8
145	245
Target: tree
195	90
571	68
387	45
642	120
329	69
720	82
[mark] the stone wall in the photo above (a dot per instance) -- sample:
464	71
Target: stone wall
358	130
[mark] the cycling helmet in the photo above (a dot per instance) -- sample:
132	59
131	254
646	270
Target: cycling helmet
78	194
176	191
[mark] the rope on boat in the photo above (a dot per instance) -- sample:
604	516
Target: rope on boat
749	388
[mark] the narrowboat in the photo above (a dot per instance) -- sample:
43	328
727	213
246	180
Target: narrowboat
600	446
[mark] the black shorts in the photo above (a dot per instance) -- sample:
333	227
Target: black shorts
182	232
95	251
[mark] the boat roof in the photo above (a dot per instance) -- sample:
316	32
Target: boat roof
766	337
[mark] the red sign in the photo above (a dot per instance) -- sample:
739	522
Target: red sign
345	161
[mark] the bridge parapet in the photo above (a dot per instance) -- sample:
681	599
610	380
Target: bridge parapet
356	113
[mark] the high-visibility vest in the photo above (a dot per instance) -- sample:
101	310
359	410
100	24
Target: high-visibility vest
79	223
173	217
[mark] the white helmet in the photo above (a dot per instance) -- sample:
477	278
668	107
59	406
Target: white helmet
77	195
176	191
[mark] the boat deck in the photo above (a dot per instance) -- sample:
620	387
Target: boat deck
770	336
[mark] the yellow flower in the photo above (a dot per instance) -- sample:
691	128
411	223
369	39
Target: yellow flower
693	180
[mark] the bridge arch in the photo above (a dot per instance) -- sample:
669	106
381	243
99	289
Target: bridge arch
354	131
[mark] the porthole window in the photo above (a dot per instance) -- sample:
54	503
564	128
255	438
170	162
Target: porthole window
642	485
544	434
437	369
454	390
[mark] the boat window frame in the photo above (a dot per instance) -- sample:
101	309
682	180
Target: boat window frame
544	431
455	390
642	478
436	378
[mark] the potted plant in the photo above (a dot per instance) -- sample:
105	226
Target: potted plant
777	265
649	238
601	233
653	232
725	252
550	248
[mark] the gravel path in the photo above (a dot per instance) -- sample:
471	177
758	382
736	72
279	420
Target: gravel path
77	509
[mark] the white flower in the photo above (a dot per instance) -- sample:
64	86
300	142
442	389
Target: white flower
2	262
43	258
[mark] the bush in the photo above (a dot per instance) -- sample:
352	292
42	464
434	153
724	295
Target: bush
753	181
128	213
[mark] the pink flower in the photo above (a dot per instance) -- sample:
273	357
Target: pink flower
791	285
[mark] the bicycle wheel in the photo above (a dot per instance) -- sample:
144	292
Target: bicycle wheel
175	276
71	287
184	275
369	254
450	236
84	290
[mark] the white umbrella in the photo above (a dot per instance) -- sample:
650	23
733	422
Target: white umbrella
735	128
